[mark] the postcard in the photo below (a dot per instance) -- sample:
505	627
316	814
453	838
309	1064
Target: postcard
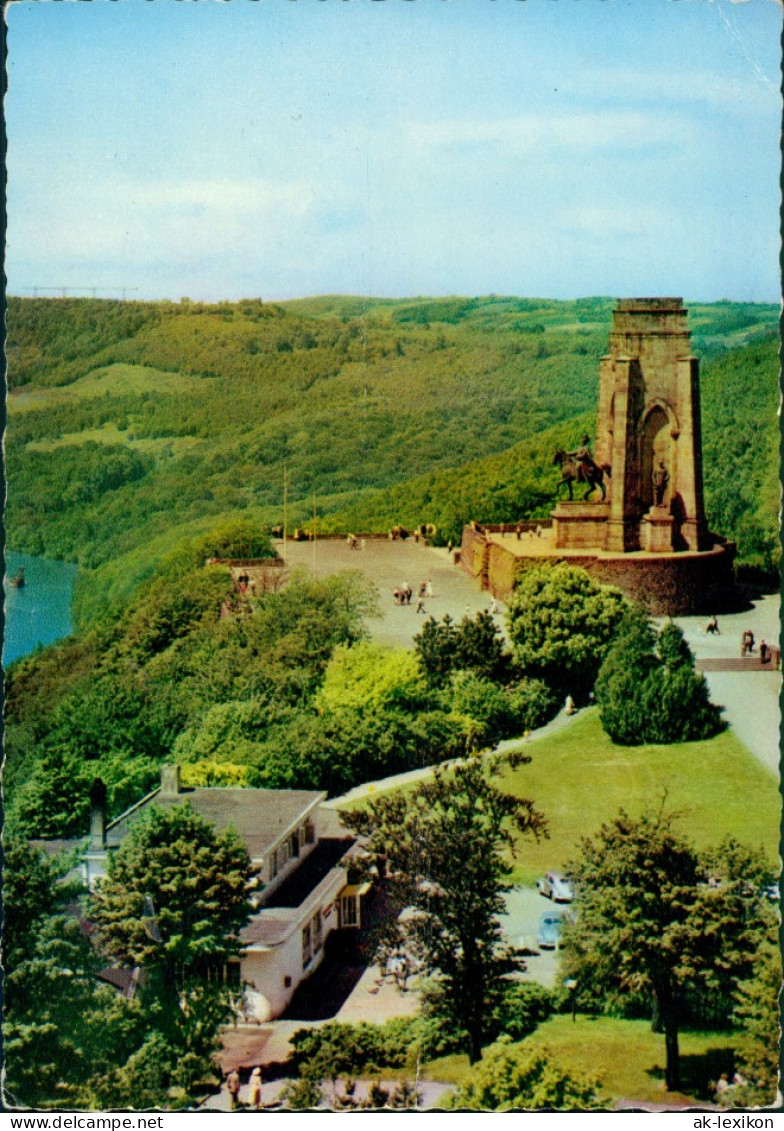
392	645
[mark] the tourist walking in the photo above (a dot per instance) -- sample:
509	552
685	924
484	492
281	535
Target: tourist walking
254	1092
233	1087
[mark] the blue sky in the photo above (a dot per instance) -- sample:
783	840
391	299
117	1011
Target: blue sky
280	148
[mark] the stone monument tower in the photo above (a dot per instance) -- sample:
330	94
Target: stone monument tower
648	433
640	524
648	429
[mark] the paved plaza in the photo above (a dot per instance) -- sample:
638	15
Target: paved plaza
750	698
389	565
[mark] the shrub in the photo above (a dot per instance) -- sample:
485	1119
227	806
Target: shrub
530	703
648	689
523	1007
511	1076
562	624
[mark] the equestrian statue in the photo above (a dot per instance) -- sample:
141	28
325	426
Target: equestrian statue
579	467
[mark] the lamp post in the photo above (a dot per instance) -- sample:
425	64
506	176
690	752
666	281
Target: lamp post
571	985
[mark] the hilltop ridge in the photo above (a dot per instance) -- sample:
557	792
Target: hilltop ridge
133	424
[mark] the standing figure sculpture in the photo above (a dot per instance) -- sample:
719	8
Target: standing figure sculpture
660	477
579	467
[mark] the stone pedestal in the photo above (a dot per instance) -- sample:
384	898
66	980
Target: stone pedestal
656	531
580	526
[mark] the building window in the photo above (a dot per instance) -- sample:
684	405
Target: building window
309	832
294	844
274	865
348	911
315	925
307	952
232	974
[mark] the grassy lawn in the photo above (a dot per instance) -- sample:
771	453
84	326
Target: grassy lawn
580	779
110	434
121	379
626	1057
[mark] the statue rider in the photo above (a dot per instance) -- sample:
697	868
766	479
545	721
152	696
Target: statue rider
584	458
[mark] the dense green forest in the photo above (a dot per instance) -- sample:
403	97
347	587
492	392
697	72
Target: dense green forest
285	692
131	425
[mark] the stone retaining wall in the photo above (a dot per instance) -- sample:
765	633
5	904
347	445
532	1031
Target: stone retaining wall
665	585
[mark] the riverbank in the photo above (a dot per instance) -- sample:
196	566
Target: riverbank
39	613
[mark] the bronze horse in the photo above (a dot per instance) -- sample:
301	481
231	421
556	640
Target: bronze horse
578	471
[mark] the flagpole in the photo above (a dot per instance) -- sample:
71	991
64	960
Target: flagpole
285	510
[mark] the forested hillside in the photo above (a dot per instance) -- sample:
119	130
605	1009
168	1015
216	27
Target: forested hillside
132	425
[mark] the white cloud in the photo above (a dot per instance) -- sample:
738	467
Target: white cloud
690	88
134	222
561	132
637	220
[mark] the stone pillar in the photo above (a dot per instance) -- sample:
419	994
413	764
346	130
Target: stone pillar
97	816
170	781
691	519
620	376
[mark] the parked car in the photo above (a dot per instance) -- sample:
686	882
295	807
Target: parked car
550	926
555	887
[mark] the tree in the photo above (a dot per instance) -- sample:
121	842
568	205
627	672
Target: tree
757	1013
368	677
473	645
435	647
562	624
648	689
648	923
61	1028
511	1077
174	897
482	703
444	844
479	646
54	801
28	896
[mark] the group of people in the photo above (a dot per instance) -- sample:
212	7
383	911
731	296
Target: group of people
747	647
723	1088
233	1085
747	643
402	594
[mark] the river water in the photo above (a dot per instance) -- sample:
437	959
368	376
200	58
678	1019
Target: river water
40	612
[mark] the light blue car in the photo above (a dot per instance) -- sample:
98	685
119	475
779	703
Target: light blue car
550	927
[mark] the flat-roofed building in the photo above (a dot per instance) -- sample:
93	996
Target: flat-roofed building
299	855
